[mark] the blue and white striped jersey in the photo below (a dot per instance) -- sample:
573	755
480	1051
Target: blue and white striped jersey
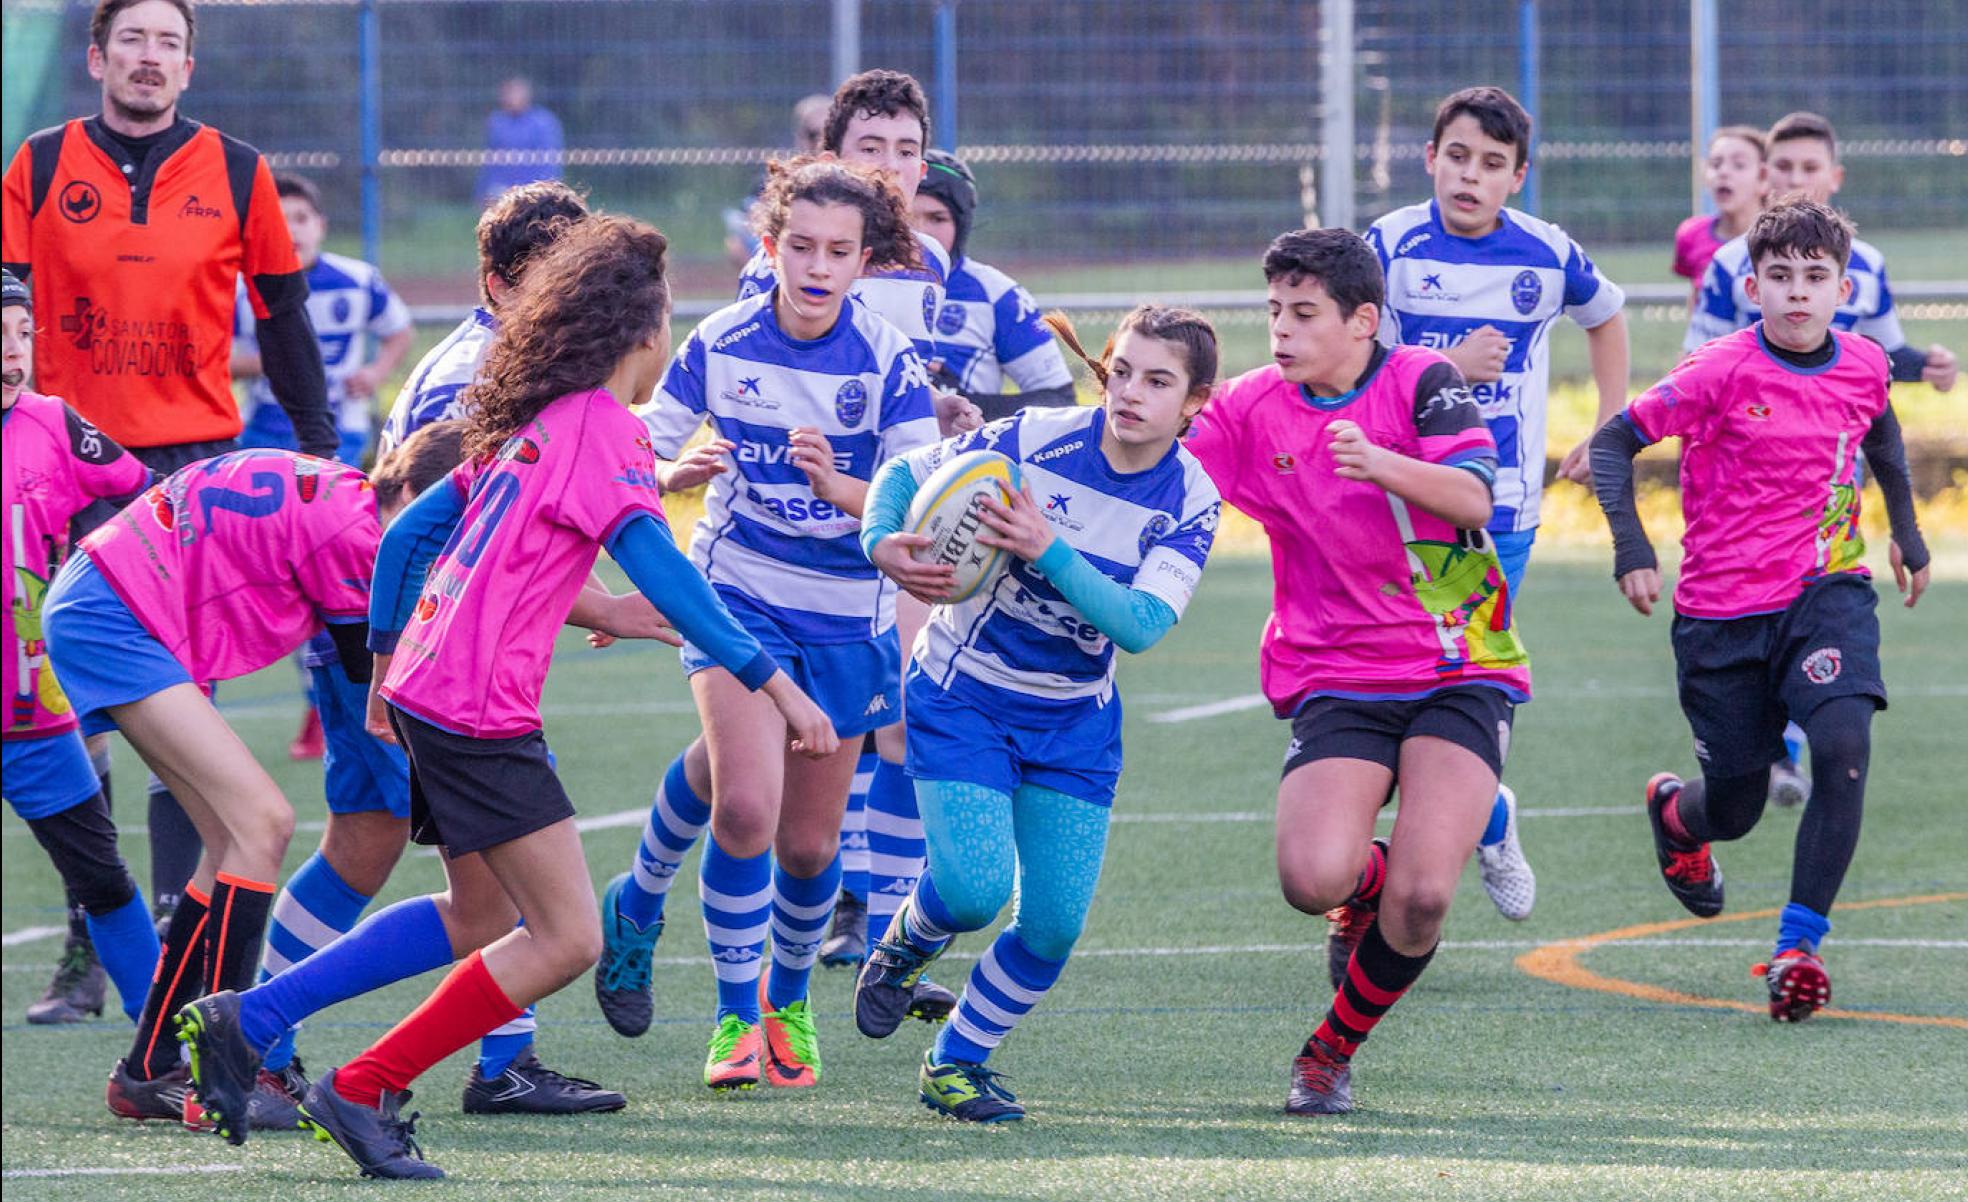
989	328
1519	279
348	303
1149	530
1723	305
431	392
764	534
909	299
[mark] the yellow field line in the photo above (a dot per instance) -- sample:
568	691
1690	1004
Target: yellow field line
1558	962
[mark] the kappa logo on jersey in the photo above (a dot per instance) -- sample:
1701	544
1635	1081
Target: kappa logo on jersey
951	319
1823	665
1526	291
914	372
80	202
192	208
851	403
737	335
1411	243
1152	533
929	307
878	704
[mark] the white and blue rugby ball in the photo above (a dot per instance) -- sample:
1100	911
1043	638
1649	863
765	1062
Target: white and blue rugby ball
948	510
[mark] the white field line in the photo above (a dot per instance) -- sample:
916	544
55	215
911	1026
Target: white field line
29	935
131	1171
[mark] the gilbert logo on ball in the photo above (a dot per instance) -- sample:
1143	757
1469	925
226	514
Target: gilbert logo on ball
948	510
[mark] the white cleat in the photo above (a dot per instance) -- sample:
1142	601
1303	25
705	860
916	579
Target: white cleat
1507	875
1789	786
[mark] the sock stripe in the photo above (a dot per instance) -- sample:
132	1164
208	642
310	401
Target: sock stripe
185	961
1004	986
1370	993
196	894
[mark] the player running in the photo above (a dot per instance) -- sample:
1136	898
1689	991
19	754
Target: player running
55	464
1737	175
1014	722
807	395
556	467
1774	611
223	568
1392	648
1483	284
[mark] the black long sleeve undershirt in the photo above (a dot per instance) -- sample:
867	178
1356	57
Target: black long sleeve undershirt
1613	449
290	357
1885	455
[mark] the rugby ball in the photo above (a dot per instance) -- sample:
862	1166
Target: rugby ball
948	510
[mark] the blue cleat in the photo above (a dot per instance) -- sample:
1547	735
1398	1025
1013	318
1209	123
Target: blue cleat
621	979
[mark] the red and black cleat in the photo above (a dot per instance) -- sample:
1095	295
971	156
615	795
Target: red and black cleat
1690	870
1351	919
1799	985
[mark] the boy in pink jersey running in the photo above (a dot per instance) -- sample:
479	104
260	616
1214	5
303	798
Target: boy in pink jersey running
55	465
1774	612
221	569
1392	648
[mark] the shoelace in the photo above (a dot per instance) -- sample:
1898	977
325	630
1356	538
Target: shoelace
1317	1074
625	969
73	968
801	1033
1690	867
899	962
725	1039
985	1080
401	1130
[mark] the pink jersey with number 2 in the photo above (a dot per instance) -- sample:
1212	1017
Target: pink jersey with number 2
1769	467
1372	597
474	655
233	562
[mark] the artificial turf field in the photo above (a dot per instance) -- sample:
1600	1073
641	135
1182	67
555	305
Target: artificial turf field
1157	1067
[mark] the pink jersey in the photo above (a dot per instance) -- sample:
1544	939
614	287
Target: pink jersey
55	464
1695	244
1371	596
233	562
474	655
1769	467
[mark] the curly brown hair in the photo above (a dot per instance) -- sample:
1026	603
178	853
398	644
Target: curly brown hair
520	223
585	302
877	93
824	180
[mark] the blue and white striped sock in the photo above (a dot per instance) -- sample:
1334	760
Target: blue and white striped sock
801	909
1003	987
676	818
927	922
315	908
895	845
737	900
854	828
505	1044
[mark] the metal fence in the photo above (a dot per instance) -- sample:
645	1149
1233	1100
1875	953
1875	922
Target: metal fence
1102	131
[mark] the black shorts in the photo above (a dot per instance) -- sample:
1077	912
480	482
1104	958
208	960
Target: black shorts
469	794
1471	716
1741	678
162	461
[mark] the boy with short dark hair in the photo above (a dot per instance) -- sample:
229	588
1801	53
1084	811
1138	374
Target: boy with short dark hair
1483	283
1774	610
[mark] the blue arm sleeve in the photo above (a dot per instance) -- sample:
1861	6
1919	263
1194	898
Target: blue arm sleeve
673	584
1135	620
887	507
409	547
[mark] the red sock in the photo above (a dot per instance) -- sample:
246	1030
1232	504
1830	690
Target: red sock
467	1004
1671	820
1372	877
1376	977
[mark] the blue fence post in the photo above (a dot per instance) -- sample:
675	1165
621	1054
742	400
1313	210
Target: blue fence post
1705	99
1527	91
946	75
371	105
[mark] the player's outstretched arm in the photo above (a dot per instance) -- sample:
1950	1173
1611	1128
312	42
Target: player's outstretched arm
1457	496
1885	453
1635	566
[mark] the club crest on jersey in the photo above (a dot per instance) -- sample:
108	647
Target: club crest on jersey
1285	462
851	403
1757	410
521	448
340	309
426	607
1823	665
1152	533
929	307
951	319
80	202
1526	291
307	477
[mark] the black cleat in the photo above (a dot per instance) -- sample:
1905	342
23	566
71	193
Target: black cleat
1799	985
1691	873
160	1097
276	1101
223	1069
847	940
622	976
378	1140
885	992
529	1087
930	1002
1322	1082
77	989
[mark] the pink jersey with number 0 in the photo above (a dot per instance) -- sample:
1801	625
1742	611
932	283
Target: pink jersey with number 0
1372	596
55	464
233	562
474	655
1769	467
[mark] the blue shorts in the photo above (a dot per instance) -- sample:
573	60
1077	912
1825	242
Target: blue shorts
1513	548
47	775
857	685
361	772
102	654
269	426
952	738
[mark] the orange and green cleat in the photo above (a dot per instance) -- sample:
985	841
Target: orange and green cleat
736	1050
792	1044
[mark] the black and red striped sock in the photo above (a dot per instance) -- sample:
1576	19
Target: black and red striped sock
180	977
232	936
1376	977
1372	877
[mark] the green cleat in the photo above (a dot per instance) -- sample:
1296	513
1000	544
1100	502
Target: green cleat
968	1092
